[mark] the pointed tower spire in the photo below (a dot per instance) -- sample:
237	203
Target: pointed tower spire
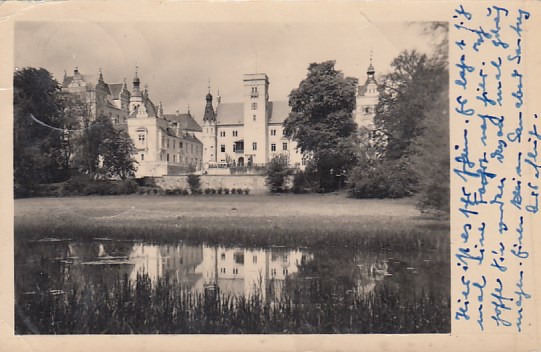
209	110
218	97
160	110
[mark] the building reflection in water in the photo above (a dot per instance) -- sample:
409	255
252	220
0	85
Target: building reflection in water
235	271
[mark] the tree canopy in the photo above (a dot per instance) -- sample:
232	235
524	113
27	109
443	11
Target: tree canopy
38	129
321	120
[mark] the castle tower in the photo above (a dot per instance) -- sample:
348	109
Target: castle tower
367	99
210	133
136	98
256	98
101	95
125	97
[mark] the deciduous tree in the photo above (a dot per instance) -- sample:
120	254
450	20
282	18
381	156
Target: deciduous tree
321	121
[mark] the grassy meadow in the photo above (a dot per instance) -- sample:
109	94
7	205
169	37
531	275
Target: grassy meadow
316	221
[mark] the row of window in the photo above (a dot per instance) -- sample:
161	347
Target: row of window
239	257
236	271
254	147
235	133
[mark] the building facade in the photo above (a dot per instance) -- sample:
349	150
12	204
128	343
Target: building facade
248	133
166	144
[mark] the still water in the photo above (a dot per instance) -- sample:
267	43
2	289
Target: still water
58	267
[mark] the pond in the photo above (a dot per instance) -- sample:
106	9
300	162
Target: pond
106	286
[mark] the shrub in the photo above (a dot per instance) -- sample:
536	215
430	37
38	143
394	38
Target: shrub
194	181
207	190
185	192
226	190
233	190
239	190
277	171
213	191
219	190
246	191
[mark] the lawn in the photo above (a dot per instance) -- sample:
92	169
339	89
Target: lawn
285	219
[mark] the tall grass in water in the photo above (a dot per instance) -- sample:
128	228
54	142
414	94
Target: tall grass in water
412	237
140	307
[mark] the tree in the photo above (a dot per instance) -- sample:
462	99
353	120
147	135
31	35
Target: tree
117	151
407	94
277	171
105	151
321	121
38	130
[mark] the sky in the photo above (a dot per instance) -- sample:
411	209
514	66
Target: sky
177	59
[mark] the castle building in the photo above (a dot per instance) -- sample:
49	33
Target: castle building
366	100
109	99
248	133
166	144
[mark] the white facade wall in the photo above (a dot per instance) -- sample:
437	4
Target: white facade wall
256	118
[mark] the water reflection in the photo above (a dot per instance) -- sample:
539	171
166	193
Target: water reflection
52	265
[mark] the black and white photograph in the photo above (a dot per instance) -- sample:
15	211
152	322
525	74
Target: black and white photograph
231	177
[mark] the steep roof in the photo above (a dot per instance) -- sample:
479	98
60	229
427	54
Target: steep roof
230	114
115	89
185	121
278	111
233	113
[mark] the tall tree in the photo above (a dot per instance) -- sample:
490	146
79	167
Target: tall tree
321	121
407	95
39	128
104	151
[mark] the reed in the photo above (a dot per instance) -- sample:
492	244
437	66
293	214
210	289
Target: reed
141	307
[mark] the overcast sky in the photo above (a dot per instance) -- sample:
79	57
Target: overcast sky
176	60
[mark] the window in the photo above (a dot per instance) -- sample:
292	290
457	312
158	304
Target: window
239	258
273	272
222	270
273	257
254	146
254	259
142	156
174	144
223	256
283	132
284	146
284	258
191	147
167	157
254	106
254	118
285	272
167	142
180	145
273	132
235	271
366	110
141	137
222	148
273	147
174	158
235	133
222	133
234	147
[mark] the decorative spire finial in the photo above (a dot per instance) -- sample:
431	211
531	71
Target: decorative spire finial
371	56
209	85
136	69
188	108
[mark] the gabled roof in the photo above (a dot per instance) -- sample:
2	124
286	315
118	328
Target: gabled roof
186	121
115	89
278	111
233	113
230	114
